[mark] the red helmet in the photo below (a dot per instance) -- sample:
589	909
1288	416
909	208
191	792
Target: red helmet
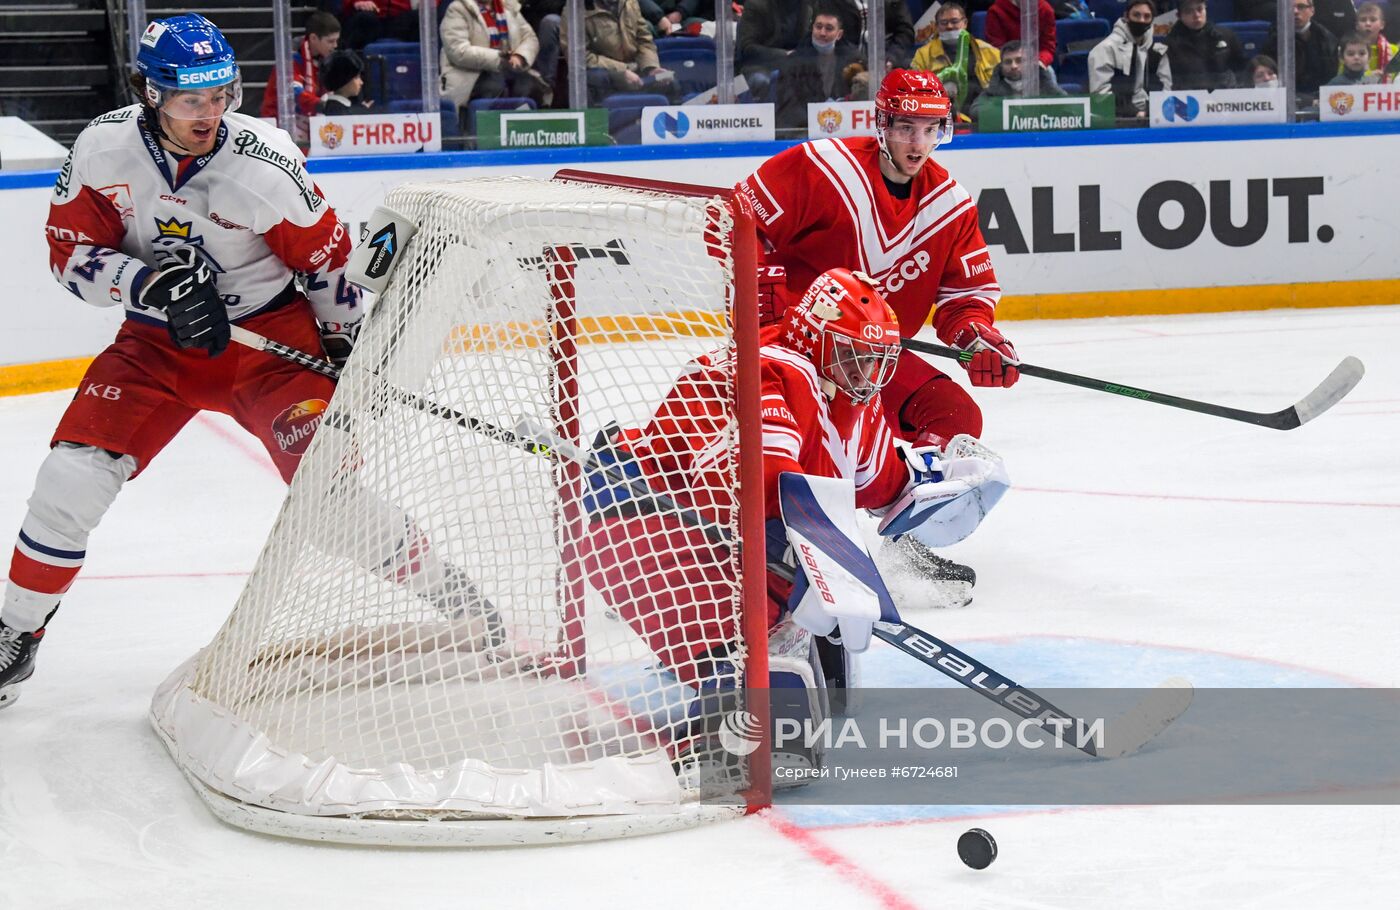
913	93
845	327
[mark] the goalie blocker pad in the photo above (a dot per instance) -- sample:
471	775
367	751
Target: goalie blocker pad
838	585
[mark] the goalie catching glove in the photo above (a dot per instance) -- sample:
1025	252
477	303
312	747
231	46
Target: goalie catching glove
184	290
950	490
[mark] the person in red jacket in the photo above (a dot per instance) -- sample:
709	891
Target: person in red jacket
320	41
371	20
1004	24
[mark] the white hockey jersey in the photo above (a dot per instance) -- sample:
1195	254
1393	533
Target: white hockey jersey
122	203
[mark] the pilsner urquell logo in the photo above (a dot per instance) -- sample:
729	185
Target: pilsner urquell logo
294	427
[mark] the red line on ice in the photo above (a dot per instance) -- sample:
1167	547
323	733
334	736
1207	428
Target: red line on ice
240	442
828	856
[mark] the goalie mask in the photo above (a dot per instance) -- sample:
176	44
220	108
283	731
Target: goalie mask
845	327
189	69
911	94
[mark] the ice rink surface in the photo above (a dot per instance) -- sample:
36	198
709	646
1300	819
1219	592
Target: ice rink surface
1138	541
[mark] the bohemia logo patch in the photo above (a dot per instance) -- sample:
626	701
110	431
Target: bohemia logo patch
1341	103
294	427
829	120
332	134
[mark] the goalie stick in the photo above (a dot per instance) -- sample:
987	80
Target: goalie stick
1123	735
1331	390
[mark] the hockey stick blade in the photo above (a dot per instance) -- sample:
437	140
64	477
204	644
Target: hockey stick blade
1129	732
1328	392
1332	390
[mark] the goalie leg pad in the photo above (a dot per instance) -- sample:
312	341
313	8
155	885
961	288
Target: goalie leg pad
839	585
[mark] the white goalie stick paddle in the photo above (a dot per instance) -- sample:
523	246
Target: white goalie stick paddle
1123	735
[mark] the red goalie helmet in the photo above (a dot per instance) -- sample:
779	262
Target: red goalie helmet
845	327
913	93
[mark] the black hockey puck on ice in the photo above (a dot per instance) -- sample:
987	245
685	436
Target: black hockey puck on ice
976	848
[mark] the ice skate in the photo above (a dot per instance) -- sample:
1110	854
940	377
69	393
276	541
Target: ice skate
950	582
17	650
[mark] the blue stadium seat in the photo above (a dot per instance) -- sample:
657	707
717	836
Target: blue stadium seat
1253	35
1073	69
694	67
1220	10
676	41
394	71
624	110
1108	9
390	46
495	104
1079	34
978	25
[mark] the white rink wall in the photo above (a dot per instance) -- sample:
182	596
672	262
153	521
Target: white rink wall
1062	221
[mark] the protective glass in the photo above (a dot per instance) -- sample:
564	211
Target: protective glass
196	104
859	368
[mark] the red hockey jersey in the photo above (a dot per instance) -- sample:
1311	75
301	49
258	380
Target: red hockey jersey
685	450
824	205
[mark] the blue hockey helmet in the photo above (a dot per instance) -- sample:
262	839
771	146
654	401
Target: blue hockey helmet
183	58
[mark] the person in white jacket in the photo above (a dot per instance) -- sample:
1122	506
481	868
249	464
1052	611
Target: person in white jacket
1128	64
487	51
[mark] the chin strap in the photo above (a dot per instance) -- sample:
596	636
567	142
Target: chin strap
150	118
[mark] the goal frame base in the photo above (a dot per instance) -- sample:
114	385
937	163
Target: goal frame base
497	832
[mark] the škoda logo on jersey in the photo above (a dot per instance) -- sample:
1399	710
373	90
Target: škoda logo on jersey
294	427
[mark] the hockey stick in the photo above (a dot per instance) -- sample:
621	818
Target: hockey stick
1331	390
1123	735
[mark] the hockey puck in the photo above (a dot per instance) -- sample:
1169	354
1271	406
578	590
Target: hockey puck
977	848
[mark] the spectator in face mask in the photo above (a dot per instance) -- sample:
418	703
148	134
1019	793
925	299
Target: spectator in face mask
964	63
1009	78
1264	72
1127	64
814	71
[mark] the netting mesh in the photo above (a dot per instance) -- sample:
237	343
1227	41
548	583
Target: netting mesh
442	622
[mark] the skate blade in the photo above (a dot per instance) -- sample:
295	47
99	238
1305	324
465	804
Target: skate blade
948	595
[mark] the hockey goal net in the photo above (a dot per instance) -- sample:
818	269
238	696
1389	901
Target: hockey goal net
421	654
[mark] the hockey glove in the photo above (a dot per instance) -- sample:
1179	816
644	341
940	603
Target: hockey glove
948	494
338	340
994	360
194	313
613	475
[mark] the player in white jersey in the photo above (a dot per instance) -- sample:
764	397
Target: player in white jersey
191	217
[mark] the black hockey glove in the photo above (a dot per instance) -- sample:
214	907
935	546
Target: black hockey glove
338	340
194	313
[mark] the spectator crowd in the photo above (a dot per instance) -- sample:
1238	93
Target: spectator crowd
797	52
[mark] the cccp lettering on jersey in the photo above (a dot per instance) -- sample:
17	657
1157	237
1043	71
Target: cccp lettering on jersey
906	270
